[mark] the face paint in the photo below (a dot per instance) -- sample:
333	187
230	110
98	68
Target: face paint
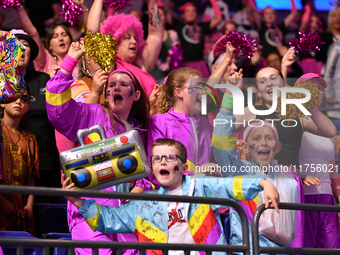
176	168
252	146
131	91
108	92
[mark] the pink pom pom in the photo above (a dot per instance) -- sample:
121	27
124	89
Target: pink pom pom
116	4
176	56
70	12
11	3
242	43
306	43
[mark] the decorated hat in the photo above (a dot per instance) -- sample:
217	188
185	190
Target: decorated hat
219	46
308	76
21	34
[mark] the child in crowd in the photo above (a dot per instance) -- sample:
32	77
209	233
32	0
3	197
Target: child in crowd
168	159
20	166
261	141
179	105
126	107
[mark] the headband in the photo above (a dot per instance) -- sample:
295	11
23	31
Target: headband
127	72
260	123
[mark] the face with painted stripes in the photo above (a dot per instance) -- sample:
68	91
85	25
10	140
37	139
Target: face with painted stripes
191	94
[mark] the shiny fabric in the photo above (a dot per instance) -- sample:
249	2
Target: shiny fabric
180	127
68	117
321	228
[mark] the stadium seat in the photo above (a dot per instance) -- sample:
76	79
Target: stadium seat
11	250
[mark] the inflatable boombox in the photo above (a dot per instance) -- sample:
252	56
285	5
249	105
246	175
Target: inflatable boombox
107	162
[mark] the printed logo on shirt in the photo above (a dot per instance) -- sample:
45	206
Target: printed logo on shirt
275	42
190	34
175	215
42	91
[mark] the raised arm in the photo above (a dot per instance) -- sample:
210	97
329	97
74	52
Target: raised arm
218	14
148	56
305	18
93	23
32	32
287	60
289	19
85	15
319	124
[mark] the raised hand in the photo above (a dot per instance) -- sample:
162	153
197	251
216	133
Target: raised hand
78	202
270	193
76	50
53	71
99	81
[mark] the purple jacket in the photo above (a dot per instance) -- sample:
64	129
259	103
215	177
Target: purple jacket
194	132
68	117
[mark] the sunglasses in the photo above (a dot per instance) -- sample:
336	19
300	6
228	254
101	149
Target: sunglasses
25	99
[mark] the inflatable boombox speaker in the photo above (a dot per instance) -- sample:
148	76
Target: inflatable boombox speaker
107	162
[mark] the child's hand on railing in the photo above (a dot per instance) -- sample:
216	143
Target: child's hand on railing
270	193
78	202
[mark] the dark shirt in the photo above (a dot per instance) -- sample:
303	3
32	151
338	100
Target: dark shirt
271	38
38	122
192	41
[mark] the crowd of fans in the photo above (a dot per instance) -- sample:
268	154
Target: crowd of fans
161	46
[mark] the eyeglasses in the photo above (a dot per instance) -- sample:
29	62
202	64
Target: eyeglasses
195	90
25	99
168	157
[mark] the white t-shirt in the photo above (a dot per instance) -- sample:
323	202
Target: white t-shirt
128	125
178	229
319	151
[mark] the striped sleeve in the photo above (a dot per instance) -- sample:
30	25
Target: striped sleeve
109	219
64	113
240	188
223	145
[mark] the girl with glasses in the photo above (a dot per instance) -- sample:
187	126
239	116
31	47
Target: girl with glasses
20	166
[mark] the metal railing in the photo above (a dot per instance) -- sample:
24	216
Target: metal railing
287	250
142	247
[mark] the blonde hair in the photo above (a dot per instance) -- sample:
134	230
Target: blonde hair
176	79
330	14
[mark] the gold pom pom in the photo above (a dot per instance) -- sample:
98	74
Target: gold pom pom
102	49
292	111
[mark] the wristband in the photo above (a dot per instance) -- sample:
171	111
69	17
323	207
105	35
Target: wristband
216	8
227	101
307	13
69	63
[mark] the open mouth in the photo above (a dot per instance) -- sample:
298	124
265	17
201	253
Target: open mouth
264	153
270	92
164	173
133	48
199	100
62	45
117	98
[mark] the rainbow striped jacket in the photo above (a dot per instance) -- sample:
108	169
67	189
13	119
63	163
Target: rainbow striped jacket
148	219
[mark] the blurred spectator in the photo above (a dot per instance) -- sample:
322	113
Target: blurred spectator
245	19
229	26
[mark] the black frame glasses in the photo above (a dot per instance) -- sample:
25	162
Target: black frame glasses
168	158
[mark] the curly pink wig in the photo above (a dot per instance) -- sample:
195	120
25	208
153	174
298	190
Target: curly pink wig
118	24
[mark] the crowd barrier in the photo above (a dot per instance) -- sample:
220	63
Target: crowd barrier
47	244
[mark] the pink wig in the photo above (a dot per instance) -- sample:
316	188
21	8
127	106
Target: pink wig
118	24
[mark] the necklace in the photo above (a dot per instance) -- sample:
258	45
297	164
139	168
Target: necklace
197	29
15	146
278	33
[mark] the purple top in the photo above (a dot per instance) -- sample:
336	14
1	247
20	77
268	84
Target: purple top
194	132
67	116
